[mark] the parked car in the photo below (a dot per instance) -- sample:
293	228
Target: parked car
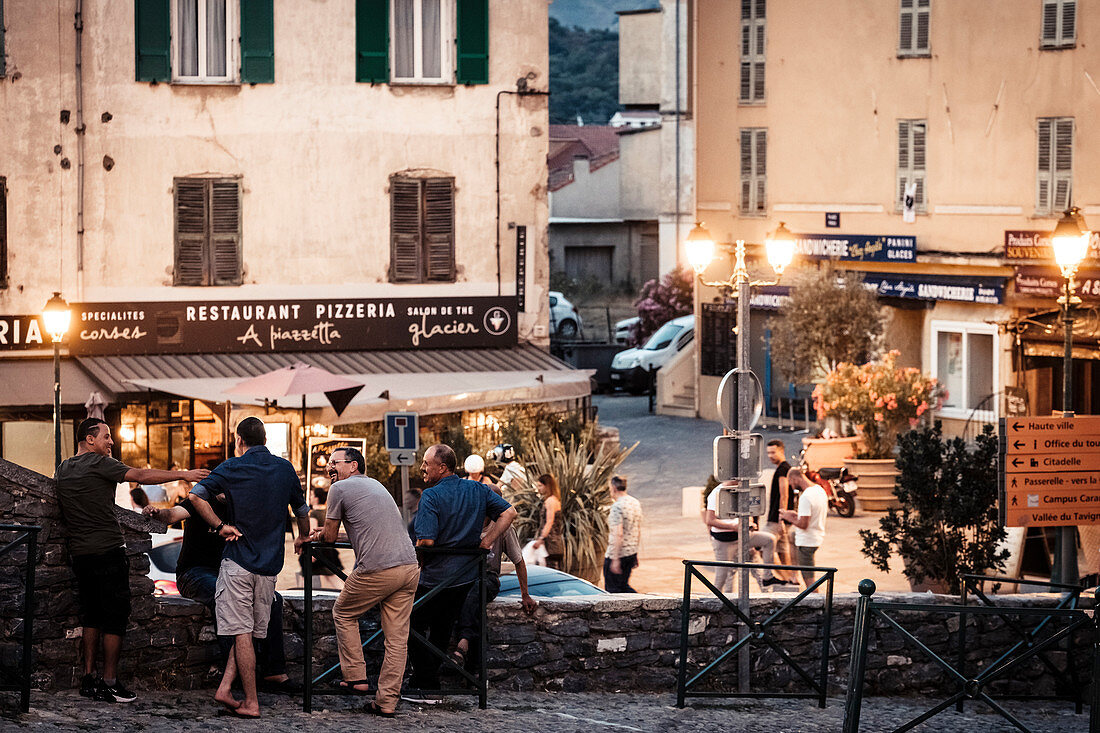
629	369
624	329
162	562
565	321
548	583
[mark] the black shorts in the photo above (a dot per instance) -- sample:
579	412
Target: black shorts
103	587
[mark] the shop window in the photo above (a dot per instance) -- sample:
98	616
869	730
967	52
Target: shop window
207	231
422	222
1054	186
964	360
422	41
913	28
1059	24
205	41
754	158
752	50
912	149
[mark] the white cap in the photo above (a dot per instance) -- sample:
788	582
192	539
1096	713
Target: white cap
474	464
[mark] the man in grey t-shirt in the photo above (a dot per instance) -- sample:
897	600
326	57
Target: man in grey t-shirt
385	574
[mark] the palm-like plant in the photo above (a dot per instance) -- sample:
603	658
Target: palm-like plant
583	469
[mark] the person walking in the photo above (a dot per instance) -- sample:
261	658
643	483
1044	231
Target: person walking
385	575
86	485
724	538
452	512
624	524
258	487
780	497
551	522
808	521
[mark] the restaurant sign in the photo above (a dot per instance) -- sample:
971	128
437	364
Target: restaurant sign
21	333
251	326
1047	282
937	287
1023	244
857	247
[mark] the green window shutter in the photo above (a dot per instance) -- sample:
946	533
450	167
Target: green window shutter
473	42
152	40
372	37
257	42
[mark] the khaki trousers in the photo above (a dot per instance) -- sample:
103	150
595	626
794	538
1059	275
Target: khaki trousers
393	590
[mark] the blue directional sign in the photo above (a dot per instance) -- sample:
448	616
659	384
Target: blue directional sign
402	431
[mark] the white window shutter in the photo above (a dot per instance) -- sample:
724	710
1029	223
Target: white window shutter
1044	174
1063	163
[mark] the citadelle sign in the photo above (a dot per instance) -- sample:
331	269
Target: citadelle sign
261	326
857	247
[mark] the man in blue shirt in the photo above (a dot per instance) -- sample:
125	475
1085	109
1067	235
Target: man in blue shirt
258	487
452	513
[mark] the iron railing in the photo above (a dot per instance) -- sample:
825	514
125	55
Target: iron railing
760	631
1065	677
968	687
476	556
20	681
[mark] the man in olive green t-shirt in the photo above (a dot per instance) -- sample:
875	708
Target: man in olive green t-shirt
86	490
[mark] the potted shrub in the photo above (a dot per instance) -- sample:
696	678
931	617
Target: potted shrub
947	524
880	400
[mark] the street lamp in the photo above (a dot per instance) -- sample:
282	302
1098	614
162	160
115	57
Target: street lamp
780	247
1070	240
56	317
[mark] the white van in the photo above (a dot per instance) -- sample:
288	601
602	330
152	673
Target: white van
629	368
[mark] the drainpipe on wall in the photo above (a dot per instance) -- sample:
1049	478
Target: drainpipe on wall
79	26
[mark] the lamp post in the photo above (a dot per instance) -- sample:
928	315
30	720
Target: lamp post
699	247
1070	240
56	316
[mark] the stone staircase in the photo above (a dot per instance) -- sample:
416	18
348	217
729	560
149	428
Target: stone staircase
676	386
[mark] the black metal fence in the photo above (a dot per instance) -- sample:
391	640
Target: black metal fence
976	687
311	551
1067	682
759	631
20	680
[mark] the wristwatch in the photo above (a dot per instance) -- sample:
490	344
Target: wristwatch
218	529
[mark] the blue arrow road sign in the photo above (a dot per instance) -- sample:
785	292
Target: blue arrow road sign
402	431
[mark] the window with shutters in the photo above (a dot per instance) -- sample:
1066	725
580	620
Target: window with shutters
752	50
912	154
3	232
207	231
1059	24
913	23
421	50
754	158
204	40
1054	186
422	225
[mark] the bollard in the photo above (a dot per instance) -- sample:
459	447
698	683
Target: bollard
859	657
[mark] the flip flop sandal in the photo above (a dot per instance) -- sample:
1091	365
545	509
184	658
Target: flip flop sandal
349	686
458	657
373	709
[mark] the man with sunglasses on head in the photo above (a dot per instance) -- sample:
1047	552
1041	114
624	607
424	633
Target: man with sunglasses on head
385	575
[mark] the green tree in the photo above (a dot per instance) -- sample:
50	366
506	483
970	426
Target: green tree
584	74
830	318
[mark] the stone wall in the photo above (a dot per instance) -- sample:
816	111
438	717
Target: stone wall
602	643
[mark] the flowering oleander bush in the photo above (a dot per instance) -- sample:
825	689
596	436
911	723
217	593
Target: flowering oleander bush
879	398
660	302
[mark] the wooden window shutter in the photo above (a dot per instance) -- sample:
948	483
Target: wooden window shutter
225	233
405	229
753	33
372	40
191	230
473	42
1045	174
3	233
921	42
257	41
152	40
918	130
1063	163
746	171
760	160
1049	34
439	229
905	27
3	59
1068	34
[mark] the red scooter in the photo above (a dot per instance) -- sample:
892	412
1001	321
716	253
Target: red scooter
839	485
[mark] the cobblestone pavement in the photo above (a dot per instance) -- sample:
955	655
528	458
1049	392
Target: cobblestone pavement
173	712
